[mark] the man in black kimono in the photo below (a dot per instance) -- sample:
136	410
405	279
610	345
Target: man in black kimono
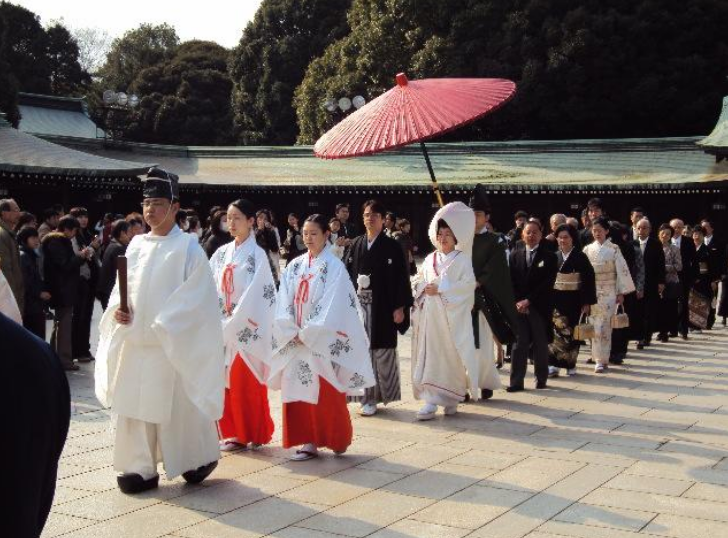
38	411
654	258
533	273
379	272
494	291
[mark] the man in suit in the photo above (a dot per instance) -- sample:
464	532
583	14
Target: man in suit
717	259
595	209
687	254
654	258
533	273
636	215
9	250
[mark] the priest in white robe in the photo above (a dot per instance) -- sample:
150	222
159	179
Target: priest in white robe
246	295
320	347
443	349
161	366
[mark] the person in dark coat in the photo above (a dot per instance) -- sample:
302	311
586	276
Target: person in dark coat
377	267
494	292
36	297
533	273
705	271
39	404
649	304
107	274
686	275
61	266
717	249
293	245
619	234
574	293
83	309
218	235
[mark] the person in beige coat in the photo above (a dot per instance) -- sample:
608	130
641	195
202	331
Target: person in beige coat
9	253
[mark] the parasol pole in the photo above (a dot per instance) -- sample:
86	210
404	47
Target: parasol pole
123	293
435	186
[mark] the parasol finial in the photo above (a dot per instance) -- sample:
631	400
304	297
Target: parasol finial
401	79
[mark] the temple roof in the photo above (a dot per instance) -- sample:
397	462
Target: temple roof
55	116
717	141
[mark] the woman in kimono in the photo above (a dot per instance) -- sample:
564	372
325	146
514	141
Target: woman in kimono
443	348
668	314
574	293
613	282
246	298
320	347
701	294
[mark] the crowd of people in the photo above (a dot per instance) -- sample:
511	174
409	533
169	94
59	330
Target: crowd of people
216	310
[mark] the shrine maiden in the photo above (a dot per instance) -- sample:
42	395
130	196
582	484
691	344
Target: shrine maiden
246	296
321	350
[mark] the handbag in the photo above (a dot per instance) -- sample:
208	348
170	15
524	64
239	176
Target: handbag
619	321
584	330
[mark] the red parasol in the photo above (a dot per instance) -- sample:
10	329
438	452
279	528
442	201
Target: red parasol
414	111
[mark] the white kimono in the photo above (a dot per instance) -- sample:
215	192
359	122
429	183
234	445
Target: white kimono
246	297
8	304
443	348
612	278
316	301
163	375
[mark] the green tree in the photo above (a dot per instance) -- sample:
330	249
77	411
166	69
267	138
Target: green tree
270	62
186	99
66	74
588	69
8	83
26	46
135	51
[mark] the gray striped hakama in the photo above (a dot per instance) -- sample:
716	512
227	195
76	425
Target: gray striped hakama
385	364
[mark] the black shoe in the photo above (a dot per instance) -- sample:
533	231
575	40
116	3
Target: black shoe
199	474
515	388
662	338
486	394
467	397
684	336
590	361
673	335
540	384
134	483
640	345
616	360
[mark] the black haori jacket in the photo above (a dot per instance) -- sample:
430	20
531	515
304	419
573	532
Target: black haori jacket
390	285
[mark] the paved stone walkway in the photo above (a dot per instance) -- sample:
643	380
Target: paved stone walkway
642	451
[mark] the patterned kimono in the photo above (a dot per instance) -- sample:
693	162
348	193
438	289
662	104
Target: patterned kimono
317	302
246	301
612	278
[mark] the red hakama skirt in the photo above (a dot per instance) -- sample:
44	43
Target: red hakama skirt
326	424
246	414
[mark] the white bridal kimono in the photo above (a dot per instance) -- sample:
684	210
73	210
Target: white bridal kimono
163	375
612	278
246	298
445	362
316	301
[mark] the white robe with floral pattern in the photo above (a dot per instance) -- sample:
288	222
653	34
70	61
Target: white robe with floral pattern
248	327
328	321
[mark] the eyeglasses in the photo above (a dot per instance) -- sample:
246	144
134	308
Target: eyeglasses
154	205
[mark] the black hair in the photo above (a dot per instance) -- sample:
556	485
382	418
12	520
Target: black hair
78	212
535	222
68	222
375	206
215	222
442	223
341	206
319	220
520	214
570	230
595	202
666	226
603	222
25	234
637	209
264	212
699	228
119	227
246	207
24	219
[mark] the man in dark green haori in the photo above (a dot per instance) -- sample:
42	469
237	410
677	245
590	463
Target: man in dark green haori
494	315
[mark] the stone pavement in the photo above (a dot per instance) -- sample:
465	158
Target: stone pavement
642	451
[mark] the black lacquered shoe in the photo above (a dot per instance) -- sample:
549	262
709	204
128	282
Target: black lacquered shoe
198	475
131	483
486	394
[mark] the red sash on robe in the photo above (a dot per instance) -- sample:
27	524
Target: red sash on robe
246	414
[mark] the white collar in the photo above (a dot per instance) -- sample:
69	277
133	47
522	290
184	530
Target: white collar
483	230
565	255
707	239
643	241
532	249
370	243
